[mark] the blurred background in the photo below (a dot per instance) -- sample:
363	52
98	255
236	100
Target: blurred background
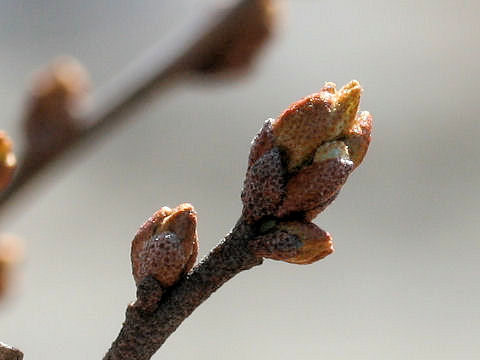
404	280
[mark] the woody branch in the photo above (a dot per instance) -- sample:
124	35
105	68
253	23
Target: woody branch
297	165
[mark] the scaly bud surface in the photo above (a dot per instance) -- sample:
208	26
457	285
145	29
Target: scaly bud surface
264	186
315	242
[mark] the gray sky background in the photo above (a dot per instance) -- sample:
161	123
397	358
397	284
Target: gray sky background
403	282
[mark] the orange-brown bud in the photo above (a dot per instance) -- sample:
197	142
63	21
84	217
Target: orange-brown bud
294	242
315	242
56	90
166	245
8	162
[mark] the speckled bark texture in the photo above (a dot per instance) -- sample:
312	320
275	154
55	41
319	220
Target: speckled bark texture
264	186
277	245
143	333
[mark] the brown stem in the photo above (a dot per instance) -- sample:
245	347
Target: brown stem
143	333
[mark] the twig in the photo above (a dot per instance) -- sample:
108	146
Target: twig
143	333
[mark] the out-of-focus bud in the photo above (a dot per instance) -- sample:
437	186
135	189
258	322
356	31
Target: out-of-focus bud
320	140
294	242
235	45
8	352
8	162
49	123
166	246
11	253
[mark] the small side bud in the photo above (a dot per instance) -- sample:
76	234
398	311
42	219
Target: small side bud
8	162
315	242
294	242
166	246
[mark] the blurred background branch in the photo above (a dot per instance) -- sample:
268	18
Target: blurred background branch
60	117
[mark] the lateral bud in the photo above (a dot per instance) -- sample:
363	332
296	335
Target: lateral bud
294	242
166	246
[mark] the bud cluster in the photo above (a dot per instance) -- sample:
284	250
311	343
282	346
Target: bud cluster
298	164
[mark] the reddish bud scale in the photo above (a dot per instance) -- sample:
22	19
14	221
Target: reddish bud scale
276	245
298	131
294	242
315	242
314	185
